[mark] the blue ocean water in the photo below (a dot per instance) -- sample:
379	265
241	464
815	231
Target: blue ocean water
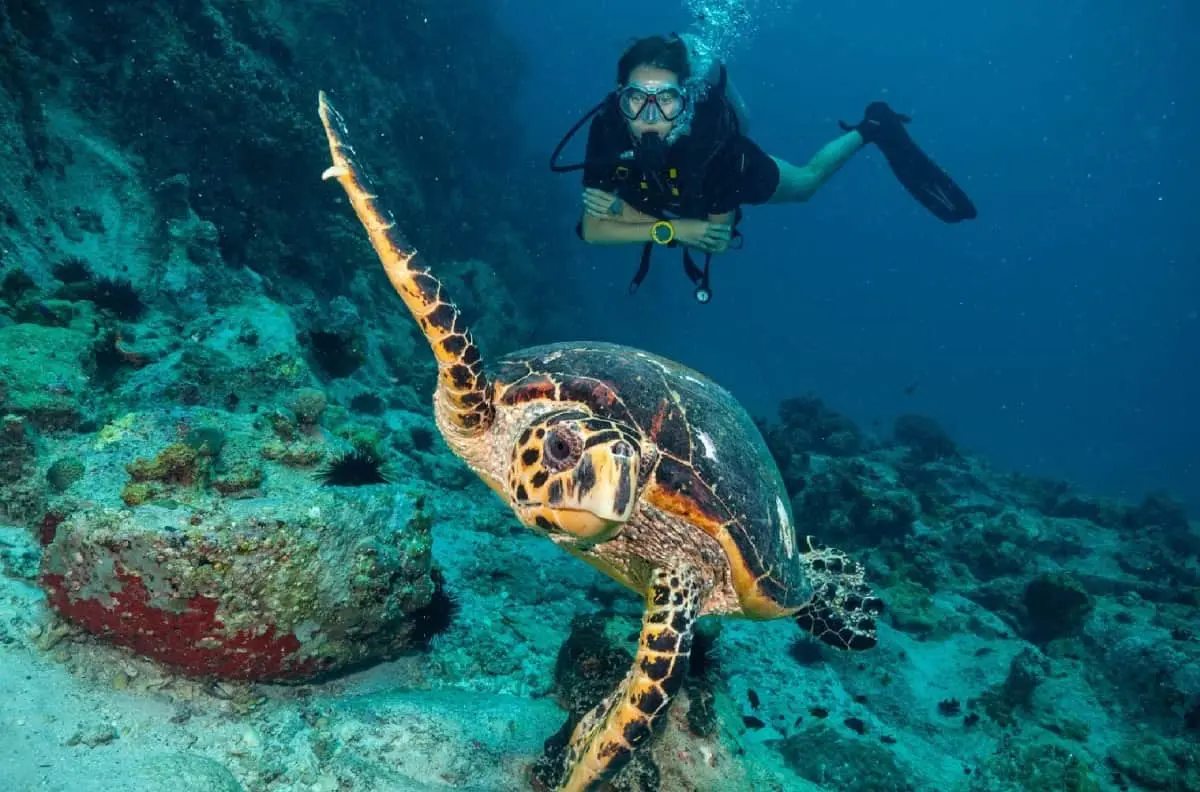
270	522
1057	334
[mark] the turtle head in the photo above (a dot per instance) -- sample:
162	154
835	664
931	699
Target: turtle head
574	477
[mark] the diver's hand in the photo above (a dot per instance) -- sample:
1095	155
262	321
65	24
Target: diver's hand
599	203
703	235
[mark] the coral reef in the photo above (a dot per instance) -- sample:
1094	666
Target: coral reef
1025	649
181	316
924	438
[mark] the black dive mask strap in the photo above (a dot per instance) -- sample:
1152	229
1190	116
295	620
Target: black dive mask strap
562	144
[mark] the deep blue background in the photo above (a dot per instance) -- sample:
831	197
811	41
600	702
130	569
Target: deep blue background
1057	334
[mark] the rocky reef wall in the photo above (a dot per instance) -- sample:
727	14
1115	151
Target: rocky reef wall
208	108
206	383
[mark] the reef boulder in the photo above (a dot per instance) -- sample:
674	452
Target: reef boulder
256	589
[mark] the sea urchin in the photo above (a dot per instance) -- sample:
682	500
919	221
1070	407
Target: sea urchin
437	616
118	296
355	468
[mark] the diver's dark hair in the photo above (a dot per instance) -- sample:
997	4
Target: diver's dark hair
670	53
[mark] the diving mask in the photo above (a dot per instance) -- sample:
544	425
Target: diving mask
652	102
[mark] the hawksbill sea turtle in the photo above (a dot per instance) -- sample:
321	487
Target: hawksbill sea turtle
643	468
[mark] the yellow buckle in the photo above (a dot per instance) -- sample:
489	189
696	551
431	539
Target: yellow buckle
657	227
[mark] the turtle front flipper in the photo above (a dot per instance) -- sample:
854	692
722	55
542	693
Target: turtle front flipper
843	608
604	740
462	395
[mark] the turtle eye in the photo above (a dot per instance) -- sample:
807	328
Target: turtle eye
562	448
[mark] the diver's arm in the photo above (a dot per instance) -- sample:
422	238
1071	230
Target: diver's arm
631	224
628	214
631	215
798	184
597	231
694	233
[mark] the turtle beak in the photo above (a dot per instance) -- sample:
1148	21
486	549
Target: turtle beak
604	484
581	527
588	504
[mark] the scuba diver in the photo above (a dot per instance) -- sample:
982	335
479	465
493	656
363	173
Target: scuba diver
668	162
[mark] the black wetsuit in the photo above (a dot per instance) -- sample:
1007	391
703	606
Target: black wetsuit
715	169
712	170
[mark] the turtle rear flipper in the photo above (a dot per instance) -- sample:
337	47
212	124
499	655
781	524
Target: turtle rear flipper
843	608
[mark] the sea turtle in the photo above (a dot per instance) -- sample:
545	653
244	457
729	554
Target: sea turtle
643	468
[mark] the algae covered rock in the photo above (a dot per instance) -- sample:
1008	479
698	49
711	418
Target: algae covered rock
17	451
44	374
835	761
1159	763
1056	605
926	440
857	502
1041	767
257	589
21	494
912	609
807	426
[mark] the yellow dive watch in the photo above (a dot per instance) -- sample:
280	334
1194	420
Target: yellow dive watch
662	232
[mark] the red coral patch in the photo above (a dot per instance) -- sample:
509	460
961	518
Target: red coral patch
48	527
193	639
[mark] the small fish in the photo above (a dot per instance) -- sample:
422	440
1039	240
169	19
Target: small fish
909	390
750	694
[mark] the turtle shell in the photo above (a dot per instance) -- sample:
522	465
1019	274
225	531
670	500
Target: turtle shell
714	469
